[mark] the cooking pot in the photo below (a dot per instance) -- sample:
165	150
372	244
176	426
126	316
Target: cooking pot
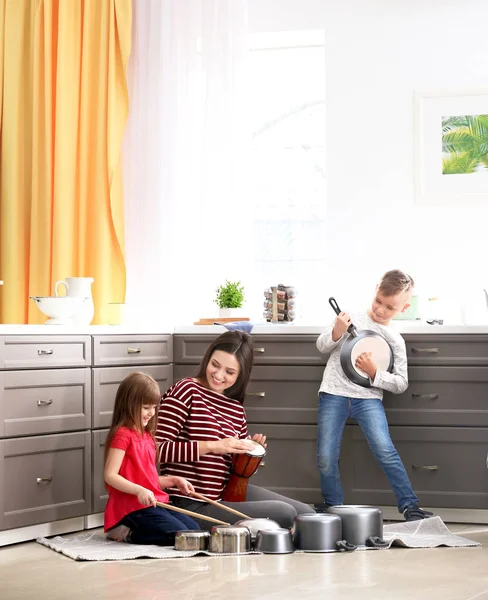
361	525
359	341
191	539
274	541
319	532
258	524
229	540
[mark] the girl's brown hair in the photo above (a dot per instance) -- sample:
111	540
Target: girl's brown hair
137	390
239	344
394	282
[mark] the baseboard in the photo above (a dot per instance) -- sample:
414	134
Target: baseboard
24	534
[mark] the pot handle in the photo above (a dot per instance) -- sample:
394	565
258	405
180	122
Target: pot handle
376	542
345	546
351	329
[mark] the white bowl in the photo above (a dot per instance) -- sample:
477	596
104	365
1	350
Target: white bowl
59	308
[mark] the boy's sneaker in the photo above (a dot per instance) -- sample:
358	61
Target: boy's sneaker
415	513
120	533
322	507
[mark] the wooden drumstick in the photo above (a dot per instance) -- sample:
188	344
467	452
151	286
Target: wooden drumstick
220	505
191	513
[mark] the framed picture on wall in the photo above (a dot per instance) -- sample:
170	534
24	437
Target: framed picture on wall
451	147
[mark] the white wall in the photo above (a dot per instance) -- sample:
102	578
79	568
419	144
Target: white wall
378	53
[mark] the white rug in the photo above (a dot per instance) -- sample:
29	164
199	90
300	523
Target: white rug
95	546
429	533
426	533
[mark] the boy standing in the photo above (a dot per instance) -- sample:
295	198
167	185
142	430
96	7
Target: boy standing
339	398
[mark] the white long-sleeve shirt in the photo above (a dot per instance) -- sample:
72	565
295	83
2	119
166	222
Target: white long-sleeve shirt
336	382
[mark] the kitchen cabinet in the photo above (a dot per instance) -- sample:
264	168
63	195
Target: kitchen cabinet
281	402
115	357
56	401
439	424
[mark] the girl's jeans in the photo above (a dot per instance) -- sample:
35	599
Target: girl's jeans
370	415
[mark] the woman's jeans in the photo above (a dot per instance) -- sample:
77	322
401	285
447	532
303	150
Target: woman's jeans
370	415
156	525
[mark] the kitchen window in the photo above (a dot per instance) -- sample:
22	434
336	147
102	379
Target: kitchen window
287	165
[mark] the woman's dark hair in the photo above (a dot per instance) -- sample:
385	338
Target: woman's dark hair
239	344
135	391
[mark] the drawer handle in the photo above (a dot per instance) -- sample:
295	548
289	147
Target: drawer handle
44	479
426	467
262	350
425	396
260	394
44	402
42	352
425	350
133	350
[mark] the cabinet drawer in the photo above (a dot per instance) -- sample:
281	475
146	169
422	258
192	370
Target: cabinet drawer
290	465
447	349
446	466
268	349
44	401
39	351
100	494
44	478
107	380
455	396
132	350
276	394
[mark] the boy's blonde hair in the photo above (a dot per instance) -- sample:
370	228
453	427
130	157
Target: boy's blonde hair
394	282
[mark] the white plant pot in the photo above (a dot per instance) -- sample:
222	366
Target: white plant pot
227	313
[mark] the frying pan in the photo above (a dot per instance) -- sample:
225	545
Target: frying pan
359	341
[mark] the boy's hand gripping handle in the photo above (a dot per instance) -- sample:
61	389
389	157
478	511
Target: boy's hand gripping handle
351	329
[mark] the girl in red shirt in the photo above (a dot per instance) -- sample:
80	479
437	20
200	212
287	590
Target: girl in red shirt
130	474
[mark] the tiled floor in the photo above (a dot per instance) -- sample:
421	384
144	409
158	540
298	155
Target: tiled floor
32	571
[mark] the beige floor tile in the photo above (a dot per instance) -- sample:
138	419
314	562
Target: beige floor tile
31	571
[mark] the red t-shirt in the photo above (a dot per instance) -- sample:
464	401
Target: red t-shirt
138	466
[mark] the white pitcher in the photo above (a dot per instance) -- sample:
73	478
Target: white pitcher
79	287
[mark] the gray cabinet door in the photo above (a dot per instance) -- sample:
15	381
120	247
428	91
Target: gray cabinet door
455	396
445	349
268	349
107	380
44	401
100	495
44	478
447	466
110	350
44	351
290	464
276	394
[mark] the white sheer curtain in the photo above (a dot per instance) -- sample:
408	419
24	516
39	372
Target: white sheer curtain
185	156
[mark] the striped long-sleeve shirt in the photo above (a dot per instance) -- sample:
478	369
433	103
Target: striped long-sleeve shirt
189	413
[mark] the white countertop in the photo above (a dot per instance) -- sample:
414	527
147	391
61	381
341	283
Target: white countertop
87	330
258	329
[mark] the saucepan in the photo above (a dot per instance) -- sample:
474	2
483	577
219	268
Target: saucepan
361	525
320	532
359	341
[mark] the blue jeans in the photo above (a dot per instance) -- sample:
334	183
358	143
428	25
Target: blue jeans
156	525
370	415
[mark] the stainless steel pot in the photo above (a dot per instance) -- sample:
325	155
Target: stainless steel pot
192	539
229	540
361	525
319	533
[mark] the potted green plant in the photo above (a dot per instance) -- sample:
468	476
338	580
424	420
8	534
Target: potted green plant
229	297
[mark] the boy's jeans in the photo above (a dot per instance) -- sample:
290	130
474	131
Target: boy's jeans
370	415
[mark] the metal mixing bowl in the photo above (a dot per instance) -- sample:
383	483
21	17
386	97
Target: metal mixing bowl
274	541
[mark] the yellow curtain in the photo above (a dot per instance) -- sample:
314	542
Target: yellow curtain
63	110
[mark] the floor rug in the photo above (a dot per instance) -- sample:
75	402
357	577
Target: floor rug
429	533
